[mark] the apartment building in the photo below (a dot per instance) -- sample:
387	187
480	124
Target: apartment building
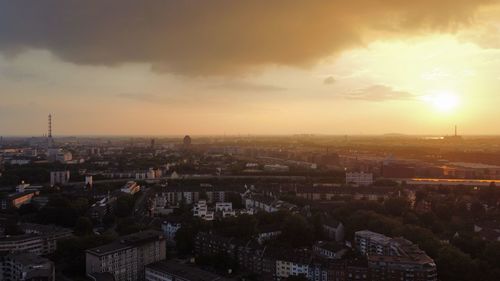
394	259
26	266
37	239
175	271
127	257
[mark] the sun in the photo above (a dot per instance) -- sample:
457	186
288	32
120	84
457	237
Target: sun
443	101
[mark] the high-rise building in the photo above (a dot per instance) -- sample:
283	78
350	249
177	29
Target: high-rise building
186	141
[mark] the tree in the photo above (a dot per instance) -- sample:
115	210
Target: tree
124	206
12	227
235	199
491	254
184	239
296	232
454	265
59	210
396	206
83	226
128	226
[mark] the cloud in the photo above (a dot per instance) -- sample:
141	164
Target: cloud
217	37
242	86
14	74
149	98
378	93
329	80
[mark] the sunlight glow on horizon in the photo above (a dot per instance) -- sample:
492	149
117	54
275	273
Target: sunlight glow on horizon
443	101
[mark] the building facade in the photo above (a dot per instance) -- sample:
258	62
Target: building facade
127	257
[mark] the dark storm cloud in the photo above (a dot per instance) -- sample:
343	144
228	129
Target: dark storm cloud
214	37
378	93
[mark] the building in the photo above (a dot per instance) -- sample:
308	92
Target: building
59	177
27	266
268	232
267	204
127	257
175	271
37	239
276	168
186	141
372	243
64	156
16	200
169	228
329	250
200	210
210	244
223	206
89	181
131	188
295	263
359	178
101	208
406	262
334	230
394	259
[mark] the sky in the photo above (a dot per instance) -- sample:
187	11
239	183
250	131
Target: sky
166	67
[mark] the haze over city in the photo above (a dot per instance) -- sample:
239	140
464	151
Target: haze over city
249	140
249	67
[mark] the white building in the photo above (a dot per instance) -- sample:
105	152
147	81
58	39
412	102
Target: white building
223	206
200	210
59	177
88	180
359	178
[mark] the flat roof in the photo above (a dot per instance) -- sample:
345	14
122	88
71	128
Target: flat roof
185	271
127	242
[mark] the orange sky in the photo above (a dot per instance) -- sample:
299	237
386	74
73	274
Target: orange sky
250	67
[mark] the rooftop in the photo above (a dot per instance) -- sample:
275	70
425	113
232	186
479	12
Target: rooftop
184	271
128	241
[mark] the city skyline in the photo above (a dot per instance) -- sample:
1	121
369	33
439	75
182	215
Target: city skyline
264	68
